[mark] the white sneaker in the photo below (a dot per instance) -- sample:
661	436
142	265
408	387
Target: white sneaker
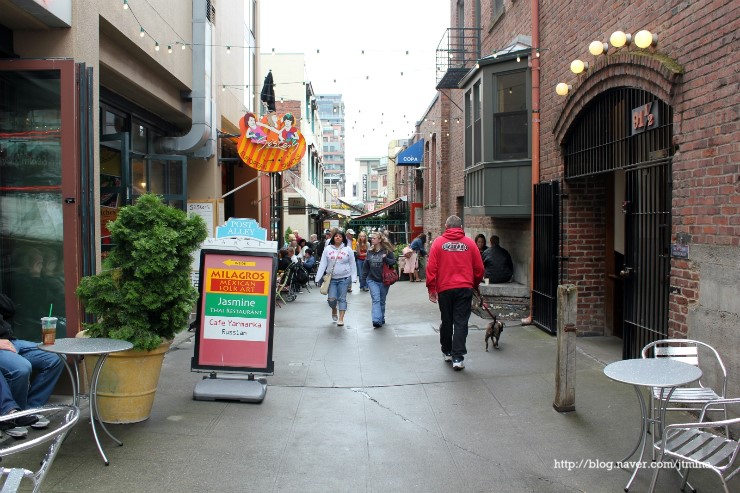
458	365
41	423
17	432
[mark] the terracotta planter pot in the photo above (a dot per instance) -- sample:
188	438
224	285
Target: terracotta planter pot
127	383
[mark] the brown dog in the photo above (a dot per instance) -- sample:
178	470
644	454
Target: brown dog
493	332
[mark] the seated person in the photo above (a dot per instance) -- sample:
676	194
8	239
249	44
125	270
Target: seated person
498	264
309	261
283	260
16	427
19	358
294	255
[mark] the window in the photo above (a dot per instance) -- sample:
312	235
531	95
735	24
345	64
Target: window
477	115
510	119
498	10
468	130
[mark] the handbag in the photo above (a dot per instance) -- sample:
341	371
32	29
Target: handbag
326	280
390	276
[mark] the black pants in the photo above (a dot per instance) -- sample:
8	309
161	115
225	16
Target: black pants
455	307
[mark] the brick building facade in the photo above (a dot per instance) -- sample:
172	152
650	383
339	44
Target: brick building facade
666	200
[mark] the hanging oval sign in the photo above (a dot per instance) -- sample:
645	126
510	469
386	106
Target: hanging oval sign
272	143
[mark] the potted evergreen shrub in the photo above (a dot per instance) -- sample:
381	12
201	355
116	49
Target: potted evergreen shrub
143	295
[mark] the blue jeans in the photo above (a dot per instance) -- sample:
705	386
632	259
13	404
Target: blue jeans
455	308
7	403
17	368
360	263
378	292
337	296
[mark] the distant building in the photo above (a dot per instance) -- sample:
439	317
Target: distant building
331	112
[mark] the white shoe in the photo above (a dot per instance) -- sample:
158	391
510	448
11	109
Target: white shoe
458	365
41	423
17	432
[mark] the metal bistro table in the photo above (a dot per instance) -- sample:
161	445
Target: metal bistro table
662	373
77	348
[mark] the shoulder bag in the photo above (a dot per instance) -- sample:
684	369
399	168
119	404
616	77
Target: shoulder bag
326	280
390	276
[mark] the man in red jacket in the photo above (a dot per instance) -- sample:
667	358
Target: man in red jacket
454	270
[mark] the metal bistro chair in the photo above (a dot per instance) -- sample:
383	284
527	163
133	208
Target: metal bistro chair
692	398
63	418
691	443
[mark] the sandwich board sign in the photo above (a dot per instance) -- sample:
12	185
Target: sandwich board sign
235	318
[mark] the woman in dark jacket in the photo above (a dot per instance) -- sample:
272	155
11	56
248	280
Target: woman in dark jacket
379	253
480	241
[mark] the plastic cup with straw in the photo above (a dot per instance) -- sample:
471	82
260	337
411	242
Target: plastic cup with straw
49	328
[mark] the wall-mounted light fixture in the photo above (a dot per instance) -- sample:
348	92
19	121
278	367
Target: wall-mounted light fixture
597	48
620	38
644	39
562	89
578	66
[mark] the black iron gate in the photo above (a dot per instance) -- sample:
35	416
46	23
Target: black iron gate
546	255
647	255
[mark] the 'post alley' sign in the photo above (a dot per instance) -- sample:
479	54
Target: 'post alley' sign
235	311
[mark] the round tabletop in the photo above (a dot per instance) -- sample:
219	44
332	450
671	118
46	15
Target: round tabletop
653	372
86	345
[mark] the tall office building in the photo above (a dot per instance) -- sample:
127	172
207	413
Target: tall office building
331	113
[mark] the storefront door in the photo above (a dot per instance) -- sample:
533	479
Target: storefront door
39	194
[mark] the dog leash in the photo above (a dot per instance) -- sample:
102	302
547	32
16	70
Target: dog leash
483	304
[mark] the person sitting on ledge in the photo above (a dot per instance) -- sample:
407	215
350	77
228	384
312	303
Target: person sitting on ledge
498	264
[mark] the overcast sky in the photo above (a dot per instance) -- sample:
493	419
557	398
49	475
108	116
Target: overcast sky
385	90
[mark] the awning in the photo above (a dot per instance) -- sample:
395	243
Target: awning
333	212
377	211
352	207
411	156
300	192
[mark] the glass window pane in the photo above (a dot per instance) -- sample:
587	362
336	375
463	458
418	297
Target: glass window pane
174	178
138	176
31	254
158	179
139	138
512	94
512	135
112	123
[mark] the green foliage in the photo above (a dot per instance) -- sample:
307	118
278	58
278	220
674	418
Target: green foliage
288	232
398	249
144	294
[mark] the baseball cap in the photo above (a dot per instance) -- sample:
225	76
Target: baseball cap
327	231
351	231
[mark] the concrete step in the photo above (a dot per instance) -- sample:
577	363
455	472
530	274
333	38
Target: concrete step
507	290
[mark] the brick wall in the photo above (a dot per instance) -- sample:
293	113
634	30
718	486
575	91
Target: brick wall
700	38
583	243
693	68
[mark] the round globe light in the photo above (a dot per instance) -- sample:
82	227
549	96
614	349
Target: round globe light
578	66
562	89
596	48
644	39
619	39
